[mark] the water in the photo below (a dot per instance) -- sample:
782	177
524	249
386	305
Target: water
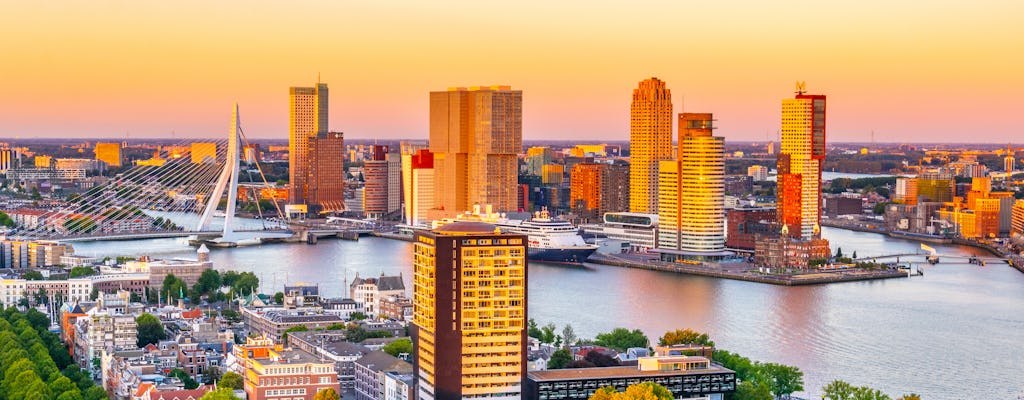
957	332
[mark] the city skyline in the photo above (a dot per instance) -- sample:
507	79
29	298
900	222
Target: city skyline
147	70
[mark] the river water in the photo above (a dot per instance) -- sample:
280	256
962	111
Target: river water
955	333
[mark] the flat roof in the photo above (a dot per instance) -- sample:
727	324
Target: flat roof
615	372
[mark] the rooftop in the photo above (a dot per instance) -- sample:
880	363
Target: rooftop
467	228
615	372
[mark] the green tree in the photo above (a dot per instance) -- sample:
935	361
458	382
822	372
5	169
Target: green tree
639	391
532	330
837	390
569	335
173	287
559	359
326	394
78	272
297	328
748	390
5	220
547	333
185	378
839	252
232	380
32	275
879	208
866	393
151	330
94	393
685	336
357	316
399	346
783	380
622	339
220	394
279	298
337	327
208	283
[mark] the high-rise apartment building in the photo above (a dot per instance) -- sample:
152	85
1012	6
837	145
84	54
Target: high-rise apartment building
307	118
10	159
326	179
204	152
599	189
691	190
800	163
110	153
469	302
382	192
476	135
650	141
757	172
536	158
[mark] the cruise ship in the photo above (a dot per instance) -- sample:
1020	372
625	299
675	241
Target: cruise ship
551	239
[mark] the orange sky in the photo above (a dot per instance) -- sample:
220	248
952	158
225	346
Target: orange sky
932	71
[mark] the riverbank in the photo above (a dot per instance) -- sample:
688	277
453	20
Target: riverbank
745	272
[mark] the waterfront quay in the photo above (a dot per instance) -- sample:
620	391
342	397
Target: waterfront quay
745	271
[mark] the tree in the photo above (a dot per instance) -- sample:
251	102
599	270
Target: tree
220	394
547	333
622	339
912	396
173	287
398	347
569	335
532	330
783	380
209	281
559	359
211	375
5	220
600	359
78	272
232	380
151	330
854	255
185	379
357	316
94	393
640	391
838	390
866	393
748	390
279	298
839	252
326	394
685	336
32	275
296	328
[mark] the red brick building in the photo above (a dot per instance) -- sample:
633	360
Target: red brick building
272	371
744	224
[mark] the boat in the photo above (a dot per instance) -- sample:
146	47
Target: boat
550	239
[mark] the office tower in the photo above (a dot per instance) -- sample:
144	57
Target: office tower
800	162
326	179
375	186
420	195
469	312
691	194
9	159
307	117
476	135
204	152
109	153
1008	161
537	158
251	153
408	150
758	172
906	191
650	141
552	174
599	189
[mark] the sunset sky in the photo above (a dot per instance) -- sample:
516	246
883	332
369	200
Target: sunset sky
910	71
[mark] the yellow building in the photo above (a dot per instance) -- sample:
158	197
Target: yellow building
109	153
582	150
43	161
476	135
800	163
552	173
1018	218
469	312
691	190
204	152
650	141
307	118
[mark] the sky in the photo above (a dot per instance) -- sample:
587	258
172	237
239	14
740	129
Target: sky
909	71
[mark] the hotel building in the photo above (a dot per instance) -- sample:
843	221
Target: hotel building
469	299
691	190
307	118
650	141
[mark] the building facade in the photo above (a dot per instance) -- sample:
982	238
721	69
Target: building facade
745	224
691	190
800	163
326	180
109	153
410	189
203	152
271	371
307	117
597	189
684	376
650	141
469	299
476	136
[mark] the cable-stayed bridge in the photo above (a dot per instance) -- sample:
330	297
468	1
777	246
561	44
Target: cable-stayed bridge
186	189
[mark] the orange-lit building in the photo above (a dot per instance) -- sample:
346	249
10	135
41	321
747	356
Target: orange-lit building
800	163
325	184
476	135
109	153
552	173
67	324
650	141
597	189
906	191
271	371
307	118
691	190
420	190
1017	218
204	152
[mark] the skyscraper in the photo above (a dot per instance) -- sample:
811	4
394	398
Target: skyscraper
109	153
408	150
691	203
469	312
326	172
383	188
650	141
800	162
1008	161
596	189
420	195
476	135
307	118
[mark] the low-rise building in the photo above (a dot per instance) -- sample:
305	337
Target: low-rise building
158	269
783	251
272	371
370	374
398	308
102	330
744	224
638	229
685	377
332	347
273	322
370	291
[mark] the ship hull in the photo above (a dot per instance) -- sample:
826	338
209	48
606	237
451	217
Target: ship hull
568	256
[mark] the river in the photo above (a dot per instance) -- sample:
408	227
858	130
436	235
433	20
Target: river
957	332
